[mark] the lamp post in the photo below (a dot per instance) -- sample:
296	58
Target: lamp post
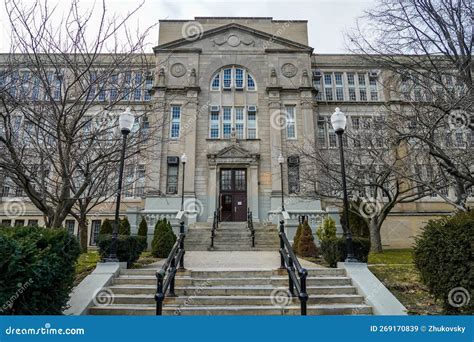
338	122
184	159
281	160
126	120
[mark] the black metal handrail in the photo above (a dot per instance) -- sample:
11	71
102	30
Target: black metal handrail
166	275
250	226
215	224
296	274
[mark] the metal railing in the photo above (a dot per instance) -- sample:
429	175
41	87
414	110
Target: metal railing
250	226
296	274
166	275
215	224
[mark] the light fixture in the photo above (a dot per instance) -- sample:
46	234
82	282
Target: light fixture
184	158
338	121
281	159
126	120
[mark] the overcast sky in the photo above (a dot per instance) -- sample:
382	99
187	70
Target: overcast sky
327	19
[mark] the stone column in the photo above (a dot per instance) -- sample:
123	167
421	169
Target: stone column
212	190
188	123
253	192
276	128
306	101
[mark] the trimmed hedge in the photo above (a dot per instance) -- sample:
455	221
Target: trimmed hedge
129	248
334	250
143	229
296	238
124	228
37	270
163	239
106	228
327	229
443	255
306	246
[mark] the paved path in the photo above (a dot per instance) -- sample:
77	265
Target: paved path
196	260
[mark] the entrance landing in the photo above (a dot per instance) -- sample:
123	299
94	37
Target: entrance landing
232	260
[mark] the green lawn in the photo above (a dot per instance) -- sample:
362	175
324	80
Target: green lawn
396	271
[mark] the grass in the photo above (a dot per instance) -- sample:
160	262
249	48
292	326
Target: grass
395	269
87	262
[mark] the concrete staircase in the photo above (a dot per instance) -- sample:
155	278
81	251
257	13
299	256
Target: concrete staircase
233	292
231	236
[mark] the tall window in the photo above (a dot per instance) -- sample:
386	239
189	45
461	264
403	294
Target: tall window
293	174
321	131
95	228
140	181
239	78
351	87
175	121
239	122
290	122
216	82
214	129
227	122
252	123
374	96
317	84
250	82
172	175
137	92
362	89
227	78
339	86
328	87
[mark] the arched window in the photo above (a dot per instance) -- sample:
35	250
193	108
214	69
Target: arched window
233	78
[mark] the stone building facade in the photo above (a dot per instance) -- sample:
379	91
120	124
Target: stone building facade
235	93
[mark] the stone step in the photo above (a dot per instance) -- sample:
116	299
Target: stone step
144	309
228	290
234	300
218	273
275	281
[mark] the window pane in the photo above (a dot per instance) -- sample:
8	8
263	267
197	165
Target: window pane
227	122
239	122
172	179
175	121
240	180
251	125
239	78
216	82
227	78
226	180
250	83
290	122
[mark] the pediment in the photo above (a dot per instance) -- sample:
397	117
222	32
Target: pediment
233	154
233	151
233	37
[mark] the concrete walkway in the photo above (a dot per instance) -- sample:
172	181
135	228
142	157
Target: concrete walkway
198	260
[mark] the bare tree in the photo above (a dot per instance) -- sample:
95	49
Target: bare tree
424	48
59	103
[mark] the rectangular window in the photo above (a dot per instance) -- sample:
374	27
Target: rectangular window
250	83
32	223
328	93
293	174
175	121
339	94
251	124
352	94
140	181
459	139
95	228
227	78
239	78
216	82
7	223
70	225
317	86
19	223
290	122
172	175
332	138
227	122
137	93
328	87
374	96
239	122
322	132
214	133
350	79
362	88
148	87
36	89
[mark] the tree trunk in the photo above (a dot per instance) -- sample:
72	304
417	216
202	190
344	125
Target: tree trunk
375	238
82	232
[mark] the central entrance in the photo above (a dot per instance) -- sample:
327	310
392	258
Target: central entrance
233	194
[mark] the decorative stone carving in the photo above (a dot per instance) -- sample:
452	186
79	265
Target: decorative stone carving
178	70
233	41
192	78
273	77
289	70
161	78
305	79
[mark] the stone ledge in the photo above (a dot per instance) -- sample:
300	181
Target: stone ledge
383	302
83	294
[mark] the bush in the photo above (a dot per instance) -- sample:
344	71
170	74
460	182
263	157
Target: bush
306	246
334	250
124	228
163	239
143	229
296	238
37	270
106	228
327	229
443	255
129	248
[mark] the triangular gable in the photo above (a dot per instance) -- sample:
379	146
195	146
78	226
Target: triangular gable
187	42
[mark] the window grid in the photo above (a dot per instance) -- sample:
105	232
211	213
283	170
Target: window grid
175	121
290	122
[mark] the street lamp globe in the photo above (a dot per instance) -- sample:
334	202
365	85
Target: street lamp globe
126	120
184	158
338	121
281	160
